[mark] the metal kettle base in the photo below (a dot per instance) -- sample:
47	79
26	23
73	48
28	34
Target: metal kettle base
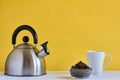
23	75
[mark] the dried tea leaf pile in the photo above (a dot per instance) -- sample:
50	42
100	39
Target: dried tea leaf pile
81	65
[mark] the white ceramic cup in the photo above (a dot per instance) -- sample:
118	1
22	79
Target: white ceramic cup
96	59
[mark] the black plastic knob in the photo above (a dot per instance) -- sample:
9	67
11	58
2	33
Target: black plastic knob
25	38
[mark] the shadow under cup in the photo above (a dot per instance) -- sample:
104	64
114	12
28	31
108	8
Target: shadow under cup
96	59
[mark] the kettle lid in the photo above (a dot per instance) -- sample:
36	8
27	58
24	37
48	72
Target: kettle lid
25	46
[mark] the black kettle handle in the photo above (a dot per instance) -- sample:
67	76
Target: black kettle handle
24	27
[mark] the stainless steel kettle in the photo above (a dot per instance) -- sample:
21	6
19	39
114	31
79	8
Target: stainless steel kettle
25	59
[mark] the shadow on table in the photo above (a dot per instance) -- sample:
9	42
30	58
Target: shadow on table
65	77
70	78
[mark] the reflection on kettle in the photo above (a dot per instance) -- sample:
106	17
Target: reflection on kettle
24	59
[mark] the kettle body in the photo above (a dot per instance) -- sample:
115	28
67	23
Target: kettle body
24	60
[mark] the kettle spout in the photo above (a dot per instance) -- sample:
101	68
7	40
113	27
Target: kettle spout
44	50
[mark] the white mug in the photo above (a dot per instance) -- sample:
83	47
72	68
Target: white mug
96	59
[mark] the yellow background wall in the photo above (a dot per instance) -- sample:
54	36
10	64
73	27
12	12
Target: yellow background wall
70	26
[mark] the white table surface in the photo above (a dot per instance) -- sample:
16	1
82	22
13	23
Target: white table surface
64	75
